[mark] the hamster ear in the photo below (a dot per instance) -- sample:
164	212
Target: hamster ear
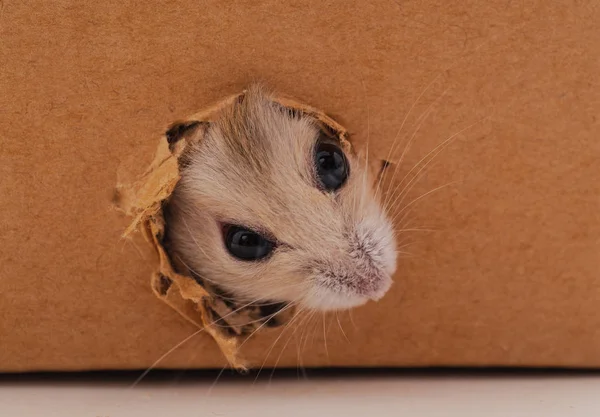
184	130
379	167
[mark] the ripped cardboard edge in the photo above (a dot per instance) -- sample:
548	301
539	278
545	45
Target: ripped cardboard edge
143	200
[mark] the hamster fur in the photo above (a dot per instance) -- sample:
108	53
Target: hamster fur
255	168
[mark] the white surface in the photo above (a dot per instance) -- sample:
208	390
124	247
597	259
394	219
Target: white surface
344	395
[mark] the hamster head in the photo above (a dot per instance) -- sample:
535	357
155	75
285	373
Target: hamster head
271	207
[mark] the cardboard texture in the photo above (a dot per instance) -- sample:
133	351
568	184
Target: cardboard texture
507	92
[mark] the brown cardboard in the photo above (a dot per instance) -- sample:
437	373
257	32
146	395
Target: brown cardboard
510	276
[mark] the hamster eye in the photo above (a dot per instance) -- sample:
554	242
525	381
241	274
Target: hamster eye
332	166
246	245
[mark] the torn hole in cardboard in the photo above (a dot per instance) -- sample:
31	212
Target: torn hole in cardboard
172	282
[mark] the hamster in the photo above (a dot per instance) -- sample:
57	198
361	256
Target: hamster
271	211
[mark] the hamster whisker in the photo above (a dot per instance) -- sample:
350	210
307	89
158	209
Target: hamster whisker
409	143
352	319
268	317
405	221
403	253
416	200
298	360
426	161
304	335
287	307
287	326
315	329
416	230
443	71
253	303
214	384
248	338
402	125
240	346
404	246
325	338
341	327
283	350
366	171
155	364
191	336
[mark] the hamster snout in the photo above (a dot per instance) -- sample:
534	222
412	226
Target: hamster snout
270	207
363	272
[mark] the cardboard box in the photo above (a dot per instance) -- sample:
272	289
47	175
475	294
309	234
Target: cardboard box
509	277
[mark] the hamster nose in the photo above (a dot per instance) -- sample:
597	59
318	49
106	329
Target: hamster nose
370	281
374	248
353	279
